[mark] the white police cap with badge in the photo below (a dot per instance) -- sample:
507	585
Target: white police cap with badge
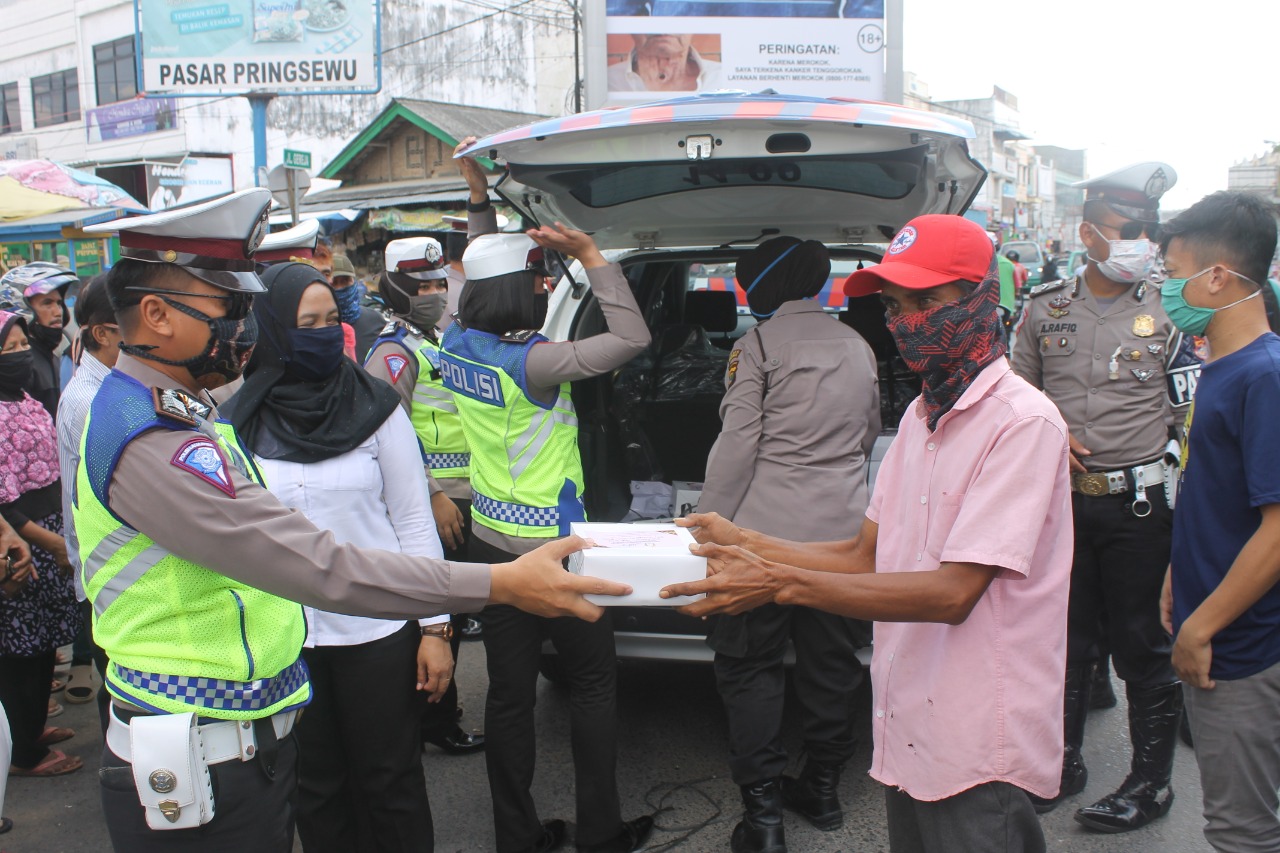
1133	192
214	240
296	242
419	258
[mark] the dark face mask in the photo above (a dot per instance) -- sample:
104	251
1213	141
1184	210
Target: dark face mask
231	342
540	301
425	311
349	303
15	371
45	337
317	353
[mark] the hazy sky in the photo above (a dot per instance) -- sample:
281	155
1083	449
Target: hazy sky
1196	85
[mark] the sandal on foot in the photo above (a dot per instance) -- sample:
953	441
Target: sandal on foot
56	763
53	734
80	687
54	709
5	825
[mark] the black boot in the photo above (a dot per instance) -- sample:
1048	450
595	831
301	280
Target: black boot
1146	794
1075	705
760	830
814	796
1104	695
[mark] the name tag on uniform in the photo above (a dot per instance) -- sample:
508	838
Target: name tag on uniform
471	380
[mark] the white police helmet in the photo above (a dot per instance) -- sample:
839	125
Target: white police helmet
419	258
499	254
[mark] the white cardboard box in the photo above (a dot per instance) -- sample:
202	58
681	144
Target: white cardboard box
646	557
684	497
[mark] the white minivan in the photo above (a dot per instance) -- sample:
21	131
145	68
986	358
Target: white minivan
674	191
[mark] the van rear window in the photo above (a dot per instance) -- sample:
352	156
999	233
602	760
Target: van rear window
886	175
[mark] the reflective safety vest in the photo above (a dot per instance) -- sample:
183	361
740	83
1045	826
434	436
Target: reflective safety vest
433	410
526	471
180	637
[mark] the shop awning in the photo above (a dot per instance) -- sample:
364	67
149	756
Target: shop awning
58	226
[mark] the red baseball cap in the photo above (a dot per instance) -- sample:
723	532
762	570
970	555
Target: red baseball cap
930	250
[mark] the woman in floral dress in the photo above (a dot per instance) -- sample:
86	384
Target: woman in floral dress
37	606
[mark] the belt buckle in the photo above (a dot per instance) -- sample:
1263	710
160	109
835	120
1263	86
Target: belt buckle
1093	485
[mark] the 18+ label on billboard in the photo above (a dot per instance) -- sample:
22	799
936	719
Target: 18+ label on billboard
194	47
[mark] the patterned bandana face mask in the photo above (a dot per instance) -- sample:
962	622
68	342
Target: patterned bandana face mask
949	345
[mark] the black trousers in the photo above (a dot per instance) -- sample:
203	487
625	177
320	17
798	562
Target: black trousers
753	686
360	781
1119	567
253	813
992	818
513	644
441	718
24	691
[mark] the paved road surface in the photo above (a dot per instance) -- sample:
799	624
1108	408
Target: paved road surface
672	753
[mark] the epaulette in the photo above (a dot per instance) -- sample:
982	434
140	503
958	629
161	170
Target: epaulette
180	406
518	337
389	329
1048	287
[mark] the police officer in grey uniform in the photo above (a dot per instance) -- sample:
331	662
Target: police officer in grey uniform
181	294
1102	349
801	413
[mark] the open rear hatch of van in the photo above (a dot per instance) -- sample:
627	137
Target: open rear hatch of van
709	170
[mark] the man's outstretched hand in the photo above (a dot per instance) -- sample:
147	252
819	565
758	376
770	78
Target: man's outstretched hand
737	581
711	527
537	583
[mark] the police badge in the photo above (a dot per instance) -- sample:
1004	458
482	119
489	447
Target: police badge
1058	306
1144	325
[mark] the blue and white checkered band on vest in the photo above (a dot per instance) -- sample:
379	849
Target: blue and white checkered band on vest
216	694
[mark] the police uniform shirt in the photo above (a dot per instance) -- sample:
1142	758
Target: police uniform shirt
398	367
243	532
1105	367
801	413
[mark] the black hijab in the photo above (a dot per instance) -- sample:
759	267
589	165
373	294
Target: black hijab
781	270
280	415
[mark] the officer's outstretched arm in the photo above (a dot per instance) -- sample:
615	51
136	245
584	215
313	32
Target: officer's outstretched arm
537	583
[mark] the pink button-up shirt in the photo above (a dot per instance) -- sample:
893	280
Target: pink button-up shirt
959	705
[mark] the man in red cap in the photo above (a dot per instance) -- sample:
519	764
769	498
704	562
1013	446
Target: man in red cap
967	583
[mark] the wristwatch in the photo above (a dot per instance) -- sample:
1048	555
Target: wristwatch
443	630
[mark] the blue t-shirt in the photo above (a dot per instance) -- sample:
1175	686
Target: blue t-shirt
1232	468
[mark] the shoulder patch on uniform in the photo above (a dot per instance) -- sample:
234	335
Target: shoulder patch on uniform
203	458
179	406
1048	287
521	336
733	368
395	366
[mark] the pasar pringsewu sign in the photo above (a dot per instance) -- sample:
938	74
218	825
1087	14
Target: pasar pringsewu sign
196	47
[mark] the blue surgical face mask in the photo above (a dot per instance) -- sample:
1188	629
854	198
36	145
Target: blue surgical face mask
349	302
317	353
1194	319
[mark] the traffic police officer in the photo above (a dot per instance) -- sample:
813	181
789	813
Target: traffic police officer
1103	350
512	389
406	355
193	568
801	413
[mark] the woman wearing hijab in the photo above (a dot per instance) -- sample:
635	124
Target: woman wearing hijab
333	443
800	414
38	610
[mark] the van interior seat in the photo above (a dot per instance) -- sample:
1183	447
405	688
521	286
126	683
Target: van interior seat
716	311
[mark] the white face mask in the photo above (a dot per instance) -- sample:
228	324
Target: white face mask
1128	261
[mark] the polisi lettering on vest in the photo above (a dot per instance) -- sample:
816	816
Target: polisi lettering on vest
471	380
1182	384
